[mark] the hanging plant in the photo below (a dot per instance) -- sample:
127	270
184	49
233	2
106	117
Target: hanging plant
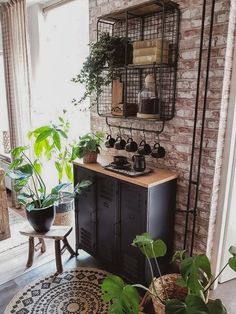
101	66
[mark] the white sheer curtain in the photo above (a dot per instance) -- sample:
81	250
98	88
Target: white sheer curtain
16	65
17	70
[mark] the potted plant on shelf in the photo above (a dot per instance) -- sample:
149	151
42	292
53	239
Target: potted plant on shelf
101	66
184	293
88	147
33	194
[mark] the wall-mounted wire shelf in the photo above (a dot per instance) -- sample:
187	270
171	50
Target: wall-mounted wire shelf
150	20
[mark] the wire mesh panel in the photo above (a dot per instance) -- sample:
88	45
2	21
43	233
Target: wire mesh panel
162	23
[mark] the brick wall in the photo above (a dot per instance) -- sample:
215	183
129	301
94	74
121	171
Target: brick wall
177	136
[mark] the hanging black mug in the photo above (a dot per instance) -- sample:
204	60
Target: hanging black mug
144	148
110	141
131	145
120	143
139	163
158	151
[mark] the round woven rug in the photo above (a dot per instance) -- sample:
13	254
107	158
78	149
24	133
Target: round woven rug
77	291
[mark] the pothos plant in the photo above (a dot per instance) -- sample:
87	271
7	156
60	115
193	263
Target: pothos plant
101	66
28	182
89	142
51	141
196	277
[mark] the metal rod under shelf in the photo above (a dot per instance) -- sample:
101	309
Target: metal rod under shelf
136	129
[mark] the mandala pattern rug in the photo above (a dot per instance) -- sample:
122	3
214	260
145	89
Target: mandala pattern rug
76	291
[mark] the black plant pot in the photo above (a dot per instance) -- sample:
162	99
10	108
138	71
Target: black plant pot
41	219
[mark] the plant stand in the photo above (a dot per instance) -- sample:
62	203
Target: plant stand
57	234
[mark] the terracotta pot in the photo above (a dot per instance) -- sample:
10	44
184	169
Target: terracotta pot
41	219
90	157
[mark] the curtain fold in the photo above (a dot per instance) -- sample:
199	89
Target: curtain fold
17	69
13	17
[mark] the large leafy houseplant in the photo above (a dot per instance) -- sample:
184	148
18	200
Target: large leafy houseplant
32	190
195	277
101	66
51	141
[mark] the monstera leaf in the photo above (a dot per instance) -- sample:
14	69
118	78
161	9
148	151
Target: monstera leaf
125	298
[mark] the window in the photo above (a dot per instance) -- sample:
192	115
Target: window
63	44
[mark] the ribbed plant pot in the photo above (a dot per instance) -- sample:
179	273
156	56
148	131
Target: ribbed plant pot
64	213
90	157
41	219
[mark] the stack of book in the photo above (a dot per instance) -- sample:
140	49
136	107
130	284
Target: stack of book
150	51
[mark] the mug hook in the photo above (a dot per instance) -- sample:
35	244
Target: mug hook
131	131
144	135
158	138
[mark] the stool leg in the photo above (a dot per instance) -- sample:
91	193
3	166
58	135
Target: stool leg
58	256
43	247
69	248
31	252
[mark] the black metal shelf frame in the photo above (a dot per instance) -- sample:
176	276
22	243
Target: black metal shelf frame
153	19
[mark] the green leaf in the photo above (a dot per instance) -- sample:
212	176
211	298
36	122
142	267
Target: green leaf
16	162
150	248
43	135
115	308
41	129
20	173
59	169
19	184
232	263
232	250
62	133
16	152
30	206
196	272
82	185
38	148
114	289
49	200
69	172
57	140
37	166
216	307
59	188
195	305
175	306
23	198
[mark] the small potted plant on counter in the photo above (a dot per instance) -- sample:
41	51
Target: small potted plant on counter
109	52
33	194
184	293
88	147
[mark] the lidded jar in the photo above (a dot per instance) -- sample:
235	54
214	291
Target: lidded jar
148	102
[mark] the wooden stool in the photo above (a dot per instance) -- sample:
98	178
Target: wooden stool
57	233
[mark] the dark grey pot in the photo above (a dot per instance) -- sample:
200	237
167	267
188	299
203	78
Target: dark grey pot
41	219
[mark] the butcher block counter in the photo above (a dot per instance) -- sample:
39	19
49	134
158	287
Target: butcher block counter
115	208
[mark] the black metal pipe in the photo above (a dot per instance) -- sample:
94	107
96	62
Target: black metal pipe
195	124
203	123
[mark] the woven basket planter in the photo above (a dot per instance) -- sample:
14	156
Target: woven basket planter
173	291
64	213
90	158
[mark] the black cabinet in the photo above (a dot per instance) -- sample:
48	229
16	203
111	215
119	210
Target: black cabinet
111	212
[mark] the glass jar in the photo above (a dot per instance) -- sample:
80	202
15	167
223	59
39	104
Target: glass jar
148	102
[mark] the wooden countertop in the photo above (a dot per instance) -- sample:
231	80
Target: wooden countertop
157	176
